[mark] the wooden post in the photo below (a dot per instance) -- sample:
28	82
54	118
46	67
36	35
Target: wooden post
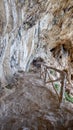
63	85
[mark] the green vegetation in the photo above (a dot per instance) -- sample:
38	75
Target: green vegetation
56	86
67	96
51	71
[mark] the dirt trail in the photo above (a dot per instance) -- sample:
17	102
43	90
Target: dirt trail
30	105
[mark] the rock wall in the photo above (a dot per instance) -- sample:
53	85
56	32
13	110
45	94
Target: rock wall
31	28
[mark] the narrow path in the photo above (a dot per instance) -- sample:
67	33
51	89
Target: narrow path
30	104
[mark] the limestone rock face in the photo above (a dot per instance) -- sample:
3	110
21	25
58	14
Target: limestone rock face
31	28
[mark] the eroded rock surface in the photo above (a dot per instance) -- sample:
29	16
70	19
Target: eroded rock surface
30	29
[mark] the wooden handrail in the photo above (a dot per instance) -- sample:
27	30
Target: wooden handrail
62	79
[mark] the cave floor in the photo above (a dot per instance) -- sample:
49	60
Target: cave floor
30	105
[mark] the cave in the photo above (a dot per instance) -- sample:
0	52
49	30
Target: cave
36	65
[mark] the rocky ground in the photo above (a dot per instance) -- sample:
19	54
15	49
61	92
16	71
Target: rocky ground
27	104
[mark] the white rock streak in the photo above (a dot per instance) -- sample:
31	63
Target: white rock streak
20	45
7	14
14	13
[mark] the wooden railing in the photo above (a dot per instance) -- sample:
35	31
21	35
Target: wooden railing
44	73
